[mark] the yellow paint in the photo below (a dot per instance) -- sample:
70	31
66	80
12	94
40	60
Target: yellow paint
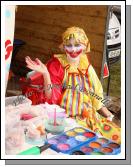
71	133
79	130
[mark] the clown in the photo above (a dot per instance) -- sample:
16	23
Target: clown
79	90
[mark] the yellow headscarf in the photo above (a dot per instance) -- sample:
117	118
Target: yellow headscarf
78	34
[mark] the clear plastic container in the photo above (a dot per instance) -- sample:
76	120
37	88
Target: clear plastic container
35	131
14	138
55	122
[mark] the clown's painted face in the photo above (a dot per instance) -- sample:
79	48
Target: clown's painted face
74	49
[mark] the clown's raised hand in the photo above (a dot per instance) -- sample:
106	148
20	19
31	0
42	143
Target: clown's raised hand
36	65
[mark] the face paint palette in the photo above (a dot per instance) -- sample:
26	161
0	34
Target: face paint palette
99	146
71	140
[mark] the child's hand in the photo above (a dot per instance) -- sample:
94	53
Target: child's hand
110	118
36	65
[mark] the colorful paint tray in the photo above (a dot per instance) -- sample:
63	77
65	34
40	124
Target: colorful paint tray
99	146
71	140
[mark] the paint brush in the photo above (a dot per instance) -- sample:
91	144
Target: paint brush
35	150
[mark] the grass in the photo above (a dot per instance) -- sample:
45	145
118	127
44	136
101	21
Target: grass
115	80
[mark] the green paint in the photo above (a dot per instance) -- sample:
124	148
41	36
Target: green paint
97	153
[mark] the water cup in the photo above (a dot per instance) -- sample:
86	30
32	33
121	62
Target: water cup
55	122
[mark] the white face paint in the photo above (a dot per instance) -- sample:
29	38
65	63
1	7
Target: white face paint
74	50
73	60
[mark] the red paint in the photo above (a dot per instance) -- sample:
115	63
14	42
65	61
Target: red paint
86	149
89	134
114	145
74	54
106	150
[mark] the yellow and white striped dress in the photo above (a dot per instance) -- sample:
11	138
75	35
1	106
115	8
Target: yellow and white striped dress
78	83
83	90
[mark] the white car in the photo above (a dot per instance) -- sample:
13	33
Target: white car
114	38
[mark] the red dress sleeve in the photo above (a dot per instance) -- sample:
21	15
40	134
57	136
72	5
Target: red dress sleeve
33	89
56	72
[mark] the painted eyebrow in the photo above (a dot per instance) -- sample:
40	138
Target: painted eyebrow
77	44
68	45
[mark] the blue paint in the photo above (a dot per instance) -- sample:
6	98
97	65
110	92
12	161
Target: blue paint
72	142
8	13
